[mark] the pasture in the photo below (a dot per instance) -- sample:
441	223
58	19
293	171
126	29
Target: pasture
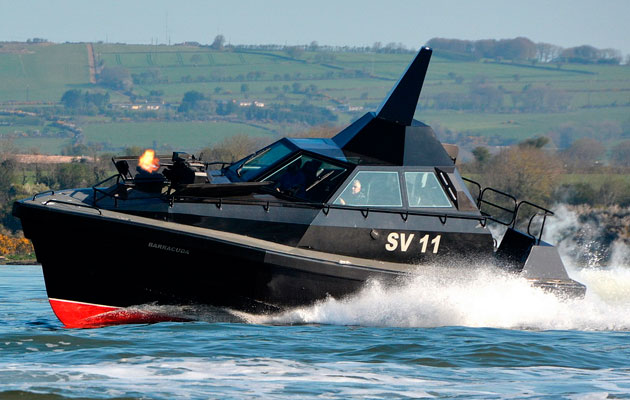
36	76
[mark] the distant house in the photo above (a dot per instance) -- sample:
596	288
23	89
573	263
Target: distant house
139	106
250	103
349	108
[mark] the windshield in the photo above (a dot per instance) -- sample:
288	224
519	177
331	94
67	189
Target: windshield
307	178
424	190
253	165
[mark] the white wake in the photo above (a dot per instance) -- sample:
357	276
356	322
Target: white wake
484	297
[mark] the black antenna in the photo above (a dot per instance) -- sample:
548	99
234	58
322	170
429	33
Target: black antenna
400	105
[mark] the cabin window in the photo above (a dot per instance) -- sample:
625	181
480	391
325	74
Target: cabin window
424	190
308	178
253	165
372	188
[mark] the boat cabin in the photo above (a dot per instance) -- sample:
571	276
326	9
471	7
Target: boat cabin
319	171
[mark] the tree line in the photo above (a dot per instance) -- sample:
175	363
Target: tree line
523	49
199	106
530	170
516	49
483	96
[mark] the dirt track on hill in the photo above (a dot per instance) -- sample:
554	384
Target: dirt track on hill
90	51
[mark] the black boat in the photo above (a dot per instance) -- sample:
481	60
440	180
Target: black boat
295	222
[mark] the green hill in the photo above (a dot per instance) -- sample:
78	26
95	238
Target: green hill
487	102
41	73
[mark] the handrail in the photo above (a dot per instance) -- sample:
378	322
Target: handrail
97	190
478	189
511	211
326	207
69	203
41	193
222	163
117	176
546	213
514	211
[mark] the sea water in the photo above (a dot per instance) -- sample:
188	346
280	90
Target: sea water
445	333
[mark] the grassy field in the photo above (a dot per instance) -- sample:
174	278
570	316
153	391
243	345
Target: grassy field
185	136
115	136
597	180
40	74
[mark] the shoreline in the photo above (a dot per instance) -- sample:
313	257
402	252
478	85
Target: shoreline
18	262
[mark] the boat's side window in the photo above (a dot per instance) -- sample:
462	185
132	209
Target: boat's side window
372	188
424	190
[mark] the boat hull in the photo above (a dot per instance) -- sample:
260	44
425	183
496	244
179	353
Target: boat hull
104	267
96	262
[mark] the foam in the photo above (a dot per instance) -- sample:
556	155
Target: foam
463	295
195	376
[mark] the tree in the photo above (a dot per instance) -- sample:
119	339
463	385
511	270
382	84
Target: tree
218	42
7	176
541	99
193	101
294	51
525	172
99	100
482	155
547	52
589	54
519	48
117	78
89	102
7	148
537	142
610	56
620	155
485	48
583	152
485	97
72	99
76	149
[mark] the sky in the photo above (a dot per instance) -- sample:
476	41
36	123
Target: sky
566	23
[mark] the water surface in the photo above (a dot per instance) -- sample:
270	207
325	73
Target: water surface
477	335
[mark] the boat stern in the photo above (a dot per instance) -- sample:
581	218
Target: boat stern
539	262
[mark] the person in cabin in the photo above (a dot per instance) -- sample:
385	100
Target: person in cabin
293	180
355	197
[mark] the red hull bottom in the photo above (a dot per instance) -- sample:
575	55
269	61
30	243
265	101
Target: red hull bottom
75	314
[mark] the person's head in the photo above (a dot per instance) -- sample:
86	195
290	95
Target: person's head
356	186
